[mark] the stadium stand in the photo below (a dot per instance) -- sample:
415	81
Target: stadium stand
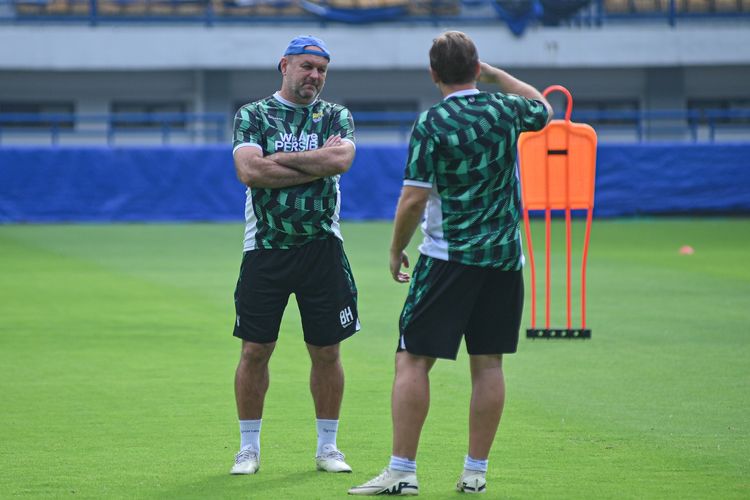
256	8
352	12
648	7
51	7
555	12
518	14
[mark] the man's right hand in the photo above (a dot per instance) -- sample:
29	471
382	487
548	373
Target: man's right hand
487	73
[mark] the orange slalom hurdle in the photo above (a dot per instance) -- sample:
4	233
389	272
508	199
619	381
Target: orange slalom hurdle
557	168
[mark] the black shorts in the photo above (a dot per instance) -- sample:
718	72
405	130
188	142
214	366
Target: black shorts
319	275
448	300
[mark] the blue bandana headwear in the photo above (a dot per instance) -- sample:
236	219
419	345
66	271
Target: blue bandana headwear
297	46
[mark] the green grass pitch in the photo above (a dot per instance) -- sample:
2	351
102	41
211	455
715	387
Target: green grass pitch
117	361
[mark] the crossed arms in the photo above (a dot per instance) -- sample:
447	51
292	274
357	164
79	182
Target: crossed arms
280	170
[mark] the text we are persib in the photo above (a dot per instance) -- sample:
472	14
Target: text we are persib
287	143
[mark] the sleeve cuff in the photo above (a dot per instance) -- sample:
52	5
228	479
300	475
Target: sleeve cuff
421	184
245	145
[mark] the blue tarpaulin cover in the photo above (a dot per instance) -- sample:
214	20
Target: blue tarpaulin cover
181	183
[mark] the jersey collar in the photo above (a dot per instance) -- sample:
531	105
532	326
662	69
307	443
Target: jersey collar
277	96
462	93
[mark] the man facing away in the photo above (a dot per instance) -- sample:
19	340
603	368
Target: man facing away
467	281
290	150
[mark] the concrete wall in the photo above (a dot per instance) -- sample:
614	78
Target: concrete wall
388	46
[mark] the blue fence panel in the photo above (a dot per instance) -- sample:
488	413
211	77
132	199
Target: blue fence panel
103	184
653	179
371	187
118	184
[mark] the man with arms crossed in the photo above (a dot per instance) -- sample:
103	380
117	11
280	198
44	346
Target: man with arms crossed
467	281
290	150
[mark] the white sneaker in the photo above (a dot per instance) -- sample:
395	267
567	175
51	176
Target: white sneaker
472	481
389	482
331	460
247	461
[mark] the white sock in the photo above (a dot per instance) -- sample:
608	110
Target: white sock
475	465
327	430
403	464
250	434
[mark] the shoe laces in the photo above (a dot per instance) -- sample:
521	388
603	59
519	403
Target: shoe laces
383	475
333	453
473	479
246	454
473	474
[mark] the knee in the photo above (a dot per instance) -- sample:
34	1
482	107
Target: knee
328	355
479	362
410	363
256	354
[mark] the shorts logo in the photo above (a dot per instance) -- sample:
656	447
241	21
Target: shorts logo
346	317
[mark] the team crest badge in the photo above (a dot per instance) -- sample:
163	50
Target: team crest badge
317	116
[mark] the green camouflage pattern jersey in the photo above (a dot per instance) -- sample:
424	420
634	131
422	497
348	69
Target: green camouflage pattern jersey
464	150
291	216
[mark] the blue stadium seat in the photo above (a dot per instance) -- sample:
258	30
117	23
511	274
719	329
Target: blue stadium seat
23	7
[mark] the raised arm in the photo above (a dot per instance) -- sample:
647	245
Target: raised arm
334	158
511	85
253	170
